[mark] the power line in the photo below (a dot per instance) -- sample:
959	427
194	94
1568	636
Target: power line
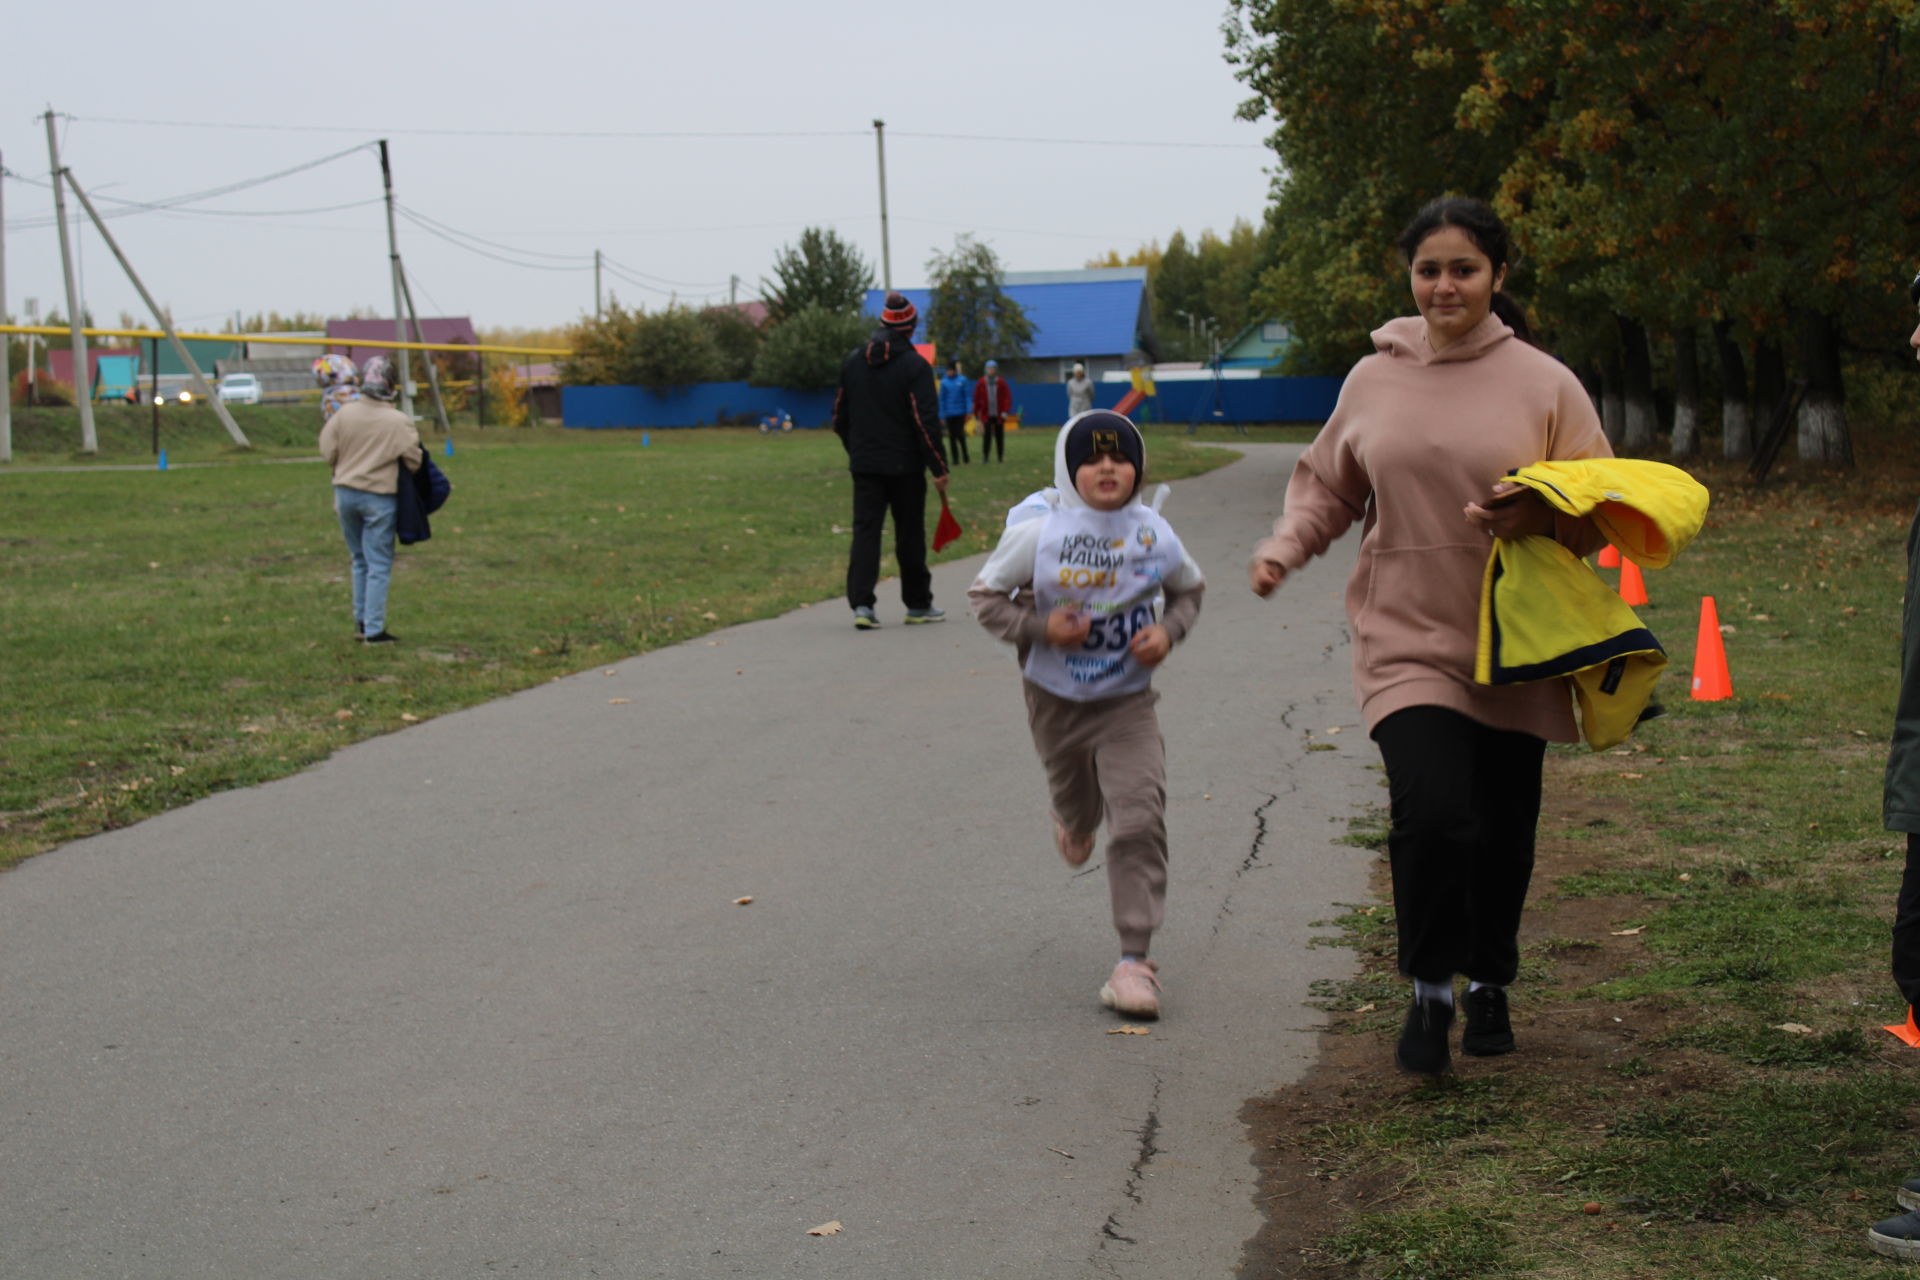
175	204
434	231
682	284
473	243
28	224
483	133
669	134
210	193
419	217
1082	142
638	284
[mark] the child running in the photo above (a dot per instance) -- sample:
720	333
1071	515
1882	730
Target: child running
1074	590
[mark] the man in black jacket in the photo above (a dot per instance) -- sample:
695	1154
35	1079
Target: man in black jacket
886	414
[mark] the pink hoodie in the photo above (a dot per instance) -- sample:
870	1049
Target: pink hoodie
1416	436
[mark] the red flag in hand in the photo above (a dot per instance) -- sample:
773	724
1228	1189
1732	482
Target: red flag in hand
948	530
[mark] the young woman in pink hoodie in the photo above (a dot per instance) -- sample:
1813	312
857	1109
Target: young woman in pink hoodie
1451	400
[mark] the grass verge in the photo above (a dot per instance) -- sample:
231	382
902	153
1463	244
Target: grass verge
1703	1088
174	634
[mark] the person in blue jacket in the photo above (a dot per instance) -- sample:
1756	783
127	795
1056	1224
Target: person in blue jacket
956	394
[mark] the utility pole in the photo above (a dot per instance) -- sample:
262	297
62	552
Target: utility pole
597	311
82	367
886	253
426	358
399	308
6	342
165	320
733	291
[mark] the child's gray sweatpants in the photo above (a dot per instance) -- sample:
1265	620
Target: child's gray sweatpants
1106	760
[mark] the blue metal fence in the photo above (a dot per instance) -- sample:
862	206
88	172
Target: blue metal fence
704	405
1039	404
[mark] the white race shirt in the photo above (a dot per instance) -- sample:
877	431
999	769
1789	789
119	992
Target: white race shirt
1110	565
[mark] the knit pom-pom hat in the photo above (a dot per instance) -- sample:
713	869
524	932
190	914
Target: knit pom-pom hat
899	313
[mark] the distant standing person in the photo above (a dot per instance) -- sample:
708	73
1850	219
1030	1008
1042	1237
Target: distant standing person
1079	391
887	416
955	396
335	376
992	402
366	442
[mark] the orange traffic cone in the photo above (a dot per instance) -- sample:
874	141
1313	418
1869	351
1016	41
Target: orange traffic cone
1908	1033
1609	557
1711	682
1633	587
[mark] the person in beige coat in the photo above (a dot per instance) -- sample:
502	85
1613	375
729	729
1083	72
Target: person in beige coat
366	442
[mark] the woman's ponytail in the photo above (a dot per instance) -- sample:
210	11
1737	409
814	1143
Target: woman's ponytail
1516	319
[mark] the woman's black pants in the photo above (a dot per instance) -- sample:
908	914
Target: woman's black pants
1465	801
993	431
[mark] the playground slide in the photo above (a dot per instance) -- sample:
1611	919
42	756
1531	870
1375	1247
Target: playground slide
1130	401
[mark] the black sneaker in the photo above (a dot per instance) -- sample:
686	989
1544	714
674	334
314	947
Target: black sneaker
863	619
1908	1194
1423	1040
1896	1237
381	637
1489	1034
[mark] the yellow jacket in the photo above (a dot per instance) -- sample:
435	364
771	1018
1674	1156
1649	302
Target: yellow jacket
1545	613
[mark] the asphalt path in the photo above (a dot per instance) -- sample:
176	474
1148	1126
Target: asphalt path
477	997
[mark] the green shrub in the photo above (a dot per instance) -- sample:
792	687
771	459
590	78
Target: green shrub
805	352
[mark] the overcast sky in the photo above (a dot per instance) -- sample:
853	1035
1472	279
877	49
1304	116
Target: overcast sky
1111	124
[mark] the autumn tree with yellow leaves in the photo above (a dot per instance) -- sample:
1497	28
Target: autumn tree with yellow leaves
1703	175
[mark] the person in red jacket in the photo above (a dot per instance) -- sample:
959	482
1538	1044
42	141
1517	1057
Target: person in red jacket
992	402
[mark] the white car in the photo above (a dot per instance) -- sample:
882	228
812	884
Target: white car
241	388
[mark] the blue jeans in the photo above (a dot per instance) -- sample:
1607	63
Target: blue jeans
366	522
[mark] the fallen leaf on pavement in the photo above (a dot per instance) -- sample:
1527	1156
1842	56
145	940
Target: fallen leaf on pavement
614	702
1130	1031
741	902
826	1229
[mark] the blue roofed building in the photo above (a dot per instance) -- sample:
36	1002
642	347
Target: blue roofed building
1261	345
1098	317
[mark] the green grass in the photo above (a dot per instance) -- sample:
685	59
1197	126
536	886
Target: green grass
189	433
174	634
1761	1128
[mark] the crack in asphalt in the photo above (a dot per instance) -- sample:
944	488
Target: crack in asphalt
1259	833
1149	1135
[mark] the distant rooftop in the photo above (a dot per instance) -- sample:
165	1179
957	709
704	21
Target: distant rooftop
1095	311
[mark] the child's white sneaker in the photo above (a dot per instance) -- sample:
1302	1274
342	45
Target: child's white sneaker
1133	989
